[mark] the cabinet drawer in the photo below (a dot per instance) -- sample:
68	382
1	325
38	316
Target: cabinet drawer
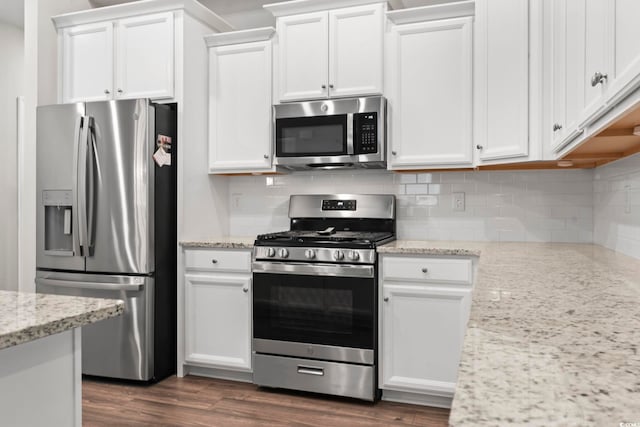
427	269
217	260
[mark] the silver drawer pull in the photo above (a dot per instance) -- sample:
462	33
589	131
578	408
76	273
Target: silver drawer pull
245	289
425	270
310	370
214	261
386	299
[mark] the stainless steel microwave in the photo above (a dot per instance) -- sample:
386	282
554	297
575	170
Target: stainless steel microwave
331	134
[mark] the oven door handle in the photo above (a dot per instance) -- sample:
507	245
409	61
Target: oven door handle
309	269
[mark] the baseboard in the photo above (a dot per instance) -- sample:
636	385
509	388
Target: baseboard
245	377
417	398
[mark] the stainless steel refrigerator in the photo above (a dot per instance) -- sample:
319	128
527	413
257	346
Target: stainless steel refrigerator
106	227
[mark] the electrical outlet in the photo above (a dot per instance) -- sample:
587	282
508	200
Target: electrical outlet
627	200
458	202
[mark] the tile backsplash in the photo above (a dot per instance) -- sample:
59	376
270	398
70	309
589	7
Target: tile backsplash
617	206
535	206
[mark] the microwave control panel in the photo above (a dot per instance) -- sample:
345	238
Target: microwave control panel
365	133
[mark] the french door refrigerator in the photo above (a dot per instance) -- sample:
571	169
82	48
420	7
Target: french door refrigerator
106	227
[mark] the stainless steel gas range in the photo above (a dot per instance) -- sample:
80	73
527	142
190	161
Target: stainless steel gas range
315	295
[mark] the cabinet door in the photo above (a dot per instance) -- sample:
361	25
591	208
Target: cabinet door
145	57
422	332
596	57
355	50
568	63
626	48
218	321
240	108
87	62
302	56
502	79
430	102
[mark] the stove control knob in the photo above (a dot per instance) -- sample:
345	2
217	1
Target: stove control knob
310	254
338	255
283	253
271	252
354	255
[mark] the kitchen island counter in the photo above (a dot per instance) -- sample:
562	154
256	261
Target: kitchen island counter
40	356
553	337
25	316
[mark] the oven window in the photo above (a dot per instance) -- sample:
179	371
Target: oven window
311	136
312	309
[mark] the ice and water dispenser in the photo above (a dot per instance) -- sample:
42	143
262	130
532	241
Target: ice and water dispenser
58	235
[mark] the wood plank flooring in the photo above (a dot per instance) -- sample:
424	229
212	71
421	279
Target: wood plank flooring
197	401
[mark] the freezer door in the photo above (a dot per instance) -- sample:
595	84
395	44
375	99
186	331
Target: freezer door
60	130
120	196
120	347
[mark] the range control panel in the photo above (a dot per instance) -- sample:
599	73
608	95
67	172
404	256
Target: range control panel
338	205
365	132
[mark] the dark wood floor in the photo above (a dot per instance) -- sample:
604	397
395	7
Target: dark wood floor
197	401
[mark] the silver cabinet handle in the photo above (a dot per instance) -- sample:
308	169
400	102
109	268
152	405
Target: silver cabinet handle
245	289
214	261
266	156
119	90
324	86
386	299
106	91
394	153
330	86
557	126
479	147
598	78
425	270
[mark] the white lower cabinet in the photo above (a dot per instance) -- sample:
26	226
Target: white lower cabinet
423	321
217	309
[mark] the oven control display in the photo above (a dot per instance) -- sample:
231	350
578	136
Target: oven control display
338	205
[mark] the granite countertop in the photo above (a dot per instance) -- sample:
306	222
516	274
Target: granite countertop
432	247
553	336
25	316
228	242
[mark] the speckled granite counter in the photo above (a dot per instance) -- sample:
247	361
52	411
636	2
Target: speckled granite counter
25	317
553	337
229	242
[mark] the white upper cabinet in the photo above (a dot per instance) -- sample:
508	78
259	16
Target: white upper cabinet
303	56
332	53
626	49
118	59
502	79
355	50
240	102
145	57
87	62
430	92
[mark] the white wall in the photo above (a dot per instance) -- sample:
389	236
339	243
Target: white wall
617	206
203	198
41	77
534	206
11	86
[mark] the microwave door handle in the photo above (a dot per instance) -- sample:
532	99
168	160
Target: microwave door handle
350	134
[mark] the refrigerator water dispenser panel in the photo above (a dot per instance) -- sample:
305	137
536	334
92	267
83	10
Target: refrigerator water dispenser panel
58	236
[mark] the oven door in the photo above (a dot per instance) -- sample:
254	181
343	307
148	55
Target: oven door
318	311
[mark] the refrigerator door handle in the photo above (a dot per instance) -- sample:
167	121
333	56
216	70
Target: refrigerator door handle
81	194
91	285
89	193
79	129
